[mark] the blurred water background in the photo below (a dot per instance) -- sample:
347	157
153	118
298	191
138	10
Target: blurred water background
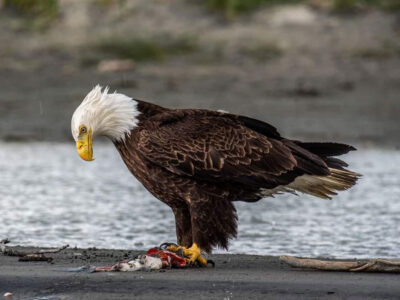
51	197
318	70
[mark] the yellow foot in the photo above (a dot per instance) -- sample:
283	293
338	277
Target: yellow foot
192	254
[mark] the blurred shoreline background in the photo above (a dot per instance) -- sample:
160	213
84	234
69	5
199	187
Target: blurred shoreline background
317	70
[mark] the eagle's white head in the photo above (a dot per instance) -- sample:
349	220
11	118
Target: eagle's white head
100	113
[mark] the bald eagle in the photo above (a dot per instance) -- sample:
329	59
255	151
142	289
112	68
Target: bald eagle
199	162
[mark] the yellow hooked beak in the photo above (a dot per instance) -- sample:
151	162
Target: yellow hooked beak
84	146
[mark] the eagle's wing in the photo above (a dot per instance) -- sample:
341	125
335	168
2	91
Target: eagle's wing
217	147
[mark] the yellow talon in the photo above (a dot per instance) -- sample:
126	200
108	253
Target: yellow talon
191	254
174	248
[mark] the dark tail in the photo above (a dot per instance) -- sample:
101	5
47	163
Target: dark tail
327	150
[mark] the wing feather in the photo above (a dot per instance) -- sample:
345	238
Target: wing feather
214	147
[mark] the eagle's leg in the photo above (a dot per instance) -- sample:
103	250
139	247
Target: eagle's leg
213	223
183	225
184	236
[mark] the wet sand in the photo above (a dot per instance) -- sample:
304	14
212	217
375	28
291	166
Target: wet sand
234	277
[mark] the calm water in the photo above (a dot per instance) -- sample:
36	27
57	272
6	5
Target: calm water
50	197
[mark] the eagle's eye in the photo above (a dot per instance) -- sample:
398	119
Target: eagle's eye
83	129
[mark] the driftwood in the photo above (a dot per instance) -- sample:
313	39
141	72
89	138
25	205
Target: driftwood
29	256
372	265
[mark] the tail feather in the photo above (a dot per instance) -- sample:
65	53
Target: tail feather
335	163
325	186
339	178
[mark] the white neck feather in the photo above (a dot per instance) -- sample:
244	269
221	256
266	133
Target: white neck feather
112	115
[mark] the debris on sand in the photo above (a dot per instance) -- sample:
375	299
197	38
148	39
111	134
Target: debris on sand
372	265
157	258
28	256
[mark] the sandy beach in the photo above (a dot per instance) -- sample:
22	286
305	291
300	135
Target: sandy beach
234	277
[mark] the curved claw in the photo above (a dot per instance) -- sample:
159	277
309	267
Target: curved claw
211	262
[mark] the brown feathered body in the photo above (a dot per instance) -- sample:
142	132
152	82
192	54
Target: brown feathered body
199	162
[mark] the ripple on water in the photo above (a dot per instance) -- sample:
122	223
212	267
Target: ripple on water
52	197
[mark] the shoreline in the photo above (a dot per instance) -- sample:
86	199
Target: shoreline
235	276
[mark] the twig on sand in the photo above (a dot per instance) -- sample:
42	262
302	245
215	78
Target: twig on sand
29	256
372	265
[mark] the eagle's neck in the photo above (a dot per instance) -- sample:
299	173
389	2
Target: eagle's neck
125	115
147	110
114	116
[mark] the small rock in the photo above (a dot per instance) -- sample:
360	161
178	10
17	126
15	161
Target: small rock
295	15
114	65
